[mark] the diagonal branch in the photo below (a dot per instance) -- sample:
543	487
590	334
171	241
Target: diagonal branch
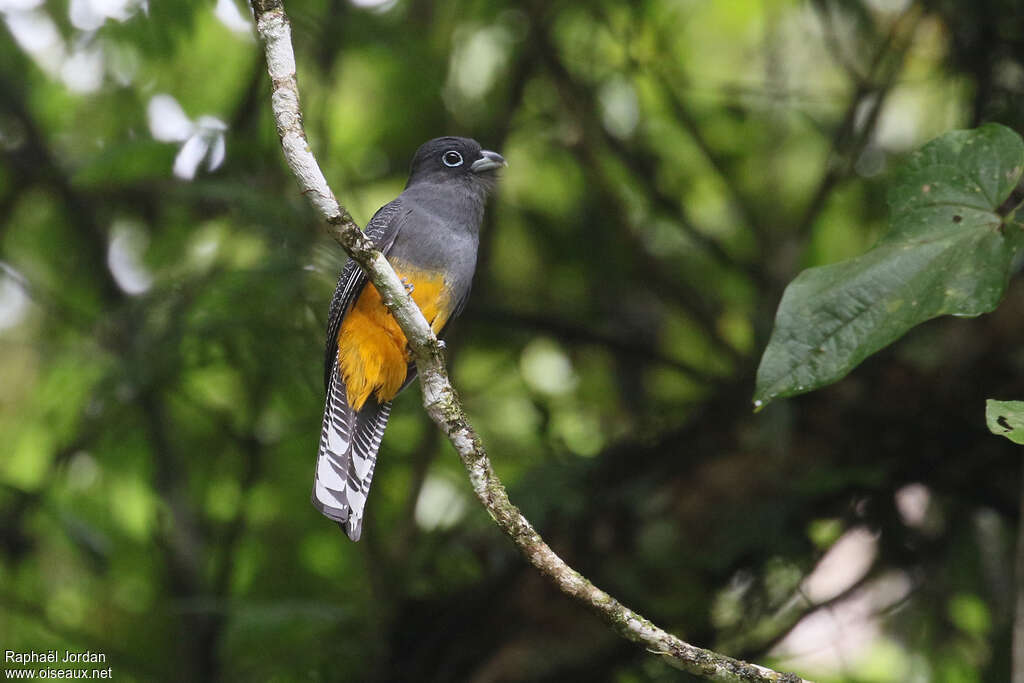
439	397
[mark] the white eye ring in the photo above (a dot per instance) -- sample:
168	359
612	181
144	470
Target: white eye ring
451	158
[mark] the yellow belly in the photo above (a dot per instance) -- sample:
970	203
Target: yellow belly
373	353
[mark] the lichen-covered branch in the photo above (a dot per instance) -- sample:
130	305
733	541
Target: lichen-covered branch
439	397
275	32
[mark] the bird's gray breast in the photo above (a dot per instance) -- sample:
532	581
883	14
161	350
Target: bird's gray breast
440	233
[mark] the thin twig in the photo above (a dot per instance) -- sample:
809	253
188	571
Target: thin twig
439	397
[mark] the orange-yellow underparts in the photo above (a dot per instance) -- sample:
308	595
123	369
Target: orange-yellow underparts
373	353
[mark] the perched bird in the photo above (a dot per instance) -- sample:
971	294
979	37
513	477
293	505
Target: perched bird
429	234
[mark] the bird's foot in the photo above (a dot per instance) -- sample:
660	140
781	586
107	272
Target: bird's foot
408	285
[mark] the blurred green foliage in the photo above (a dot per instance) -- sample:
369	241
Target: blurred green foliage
672	166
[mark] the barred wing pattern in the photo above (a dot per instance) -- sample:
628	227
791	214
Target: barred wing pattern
349	441
382	230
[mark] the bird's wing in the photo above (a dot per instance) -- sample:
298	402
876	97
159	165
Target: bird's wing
382	230
349	440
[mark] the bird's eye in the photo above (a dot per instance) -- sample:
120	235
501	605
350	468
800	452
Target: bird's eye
451	158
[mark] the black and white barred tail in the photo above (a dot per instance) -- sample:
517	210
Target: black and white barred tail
349	442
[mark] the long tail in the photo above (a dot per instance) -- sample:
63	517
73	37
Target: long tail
348	452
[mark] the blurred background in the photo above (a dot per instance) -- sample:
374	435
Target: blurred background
673	164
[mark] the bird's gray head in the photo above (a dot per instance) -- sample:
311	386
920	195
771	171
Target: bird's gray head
443	160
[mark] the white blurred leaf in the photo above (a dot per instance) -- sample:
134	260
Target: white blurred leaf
121	10
125	257
167	120
227	12
82	72
84	16
620	111
34	31
217	153
189	157
18	5
38	35
440	505
13	299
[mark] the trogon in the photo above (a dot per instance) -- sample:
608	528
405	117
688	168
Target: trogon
429	235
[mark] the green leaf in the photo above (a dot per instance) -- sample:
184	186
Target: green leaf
948	251
1006	418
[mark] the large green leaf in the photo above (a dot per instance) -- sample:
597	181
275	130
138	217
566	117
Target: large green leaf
948	251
